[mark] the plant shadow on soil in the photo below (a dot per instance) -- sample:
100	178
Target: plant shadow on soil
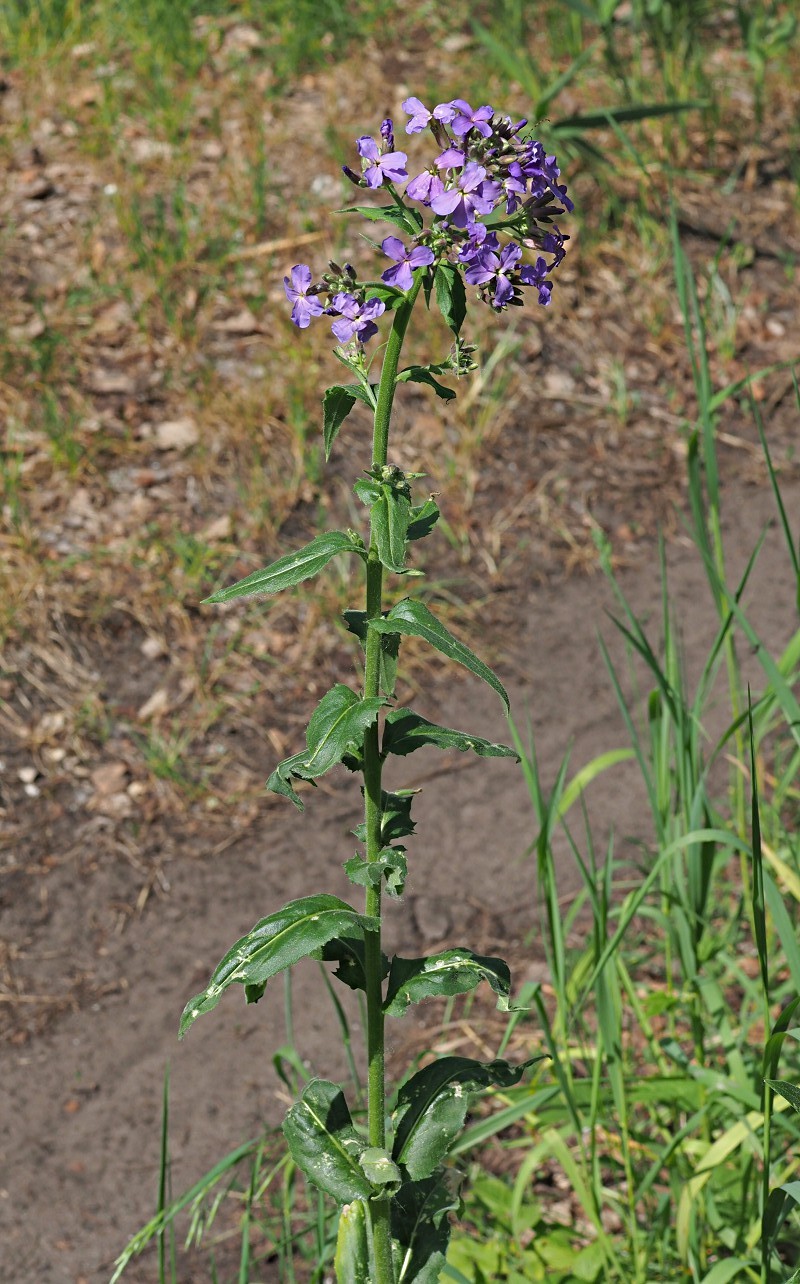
80	1134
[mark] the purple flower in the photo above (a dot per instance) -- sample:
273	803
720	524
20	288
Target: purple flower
465	119
473	195
514	186
389	165
535	275
424	187
387	134
306	304
451	158
357	319
400	276
419	115
445	112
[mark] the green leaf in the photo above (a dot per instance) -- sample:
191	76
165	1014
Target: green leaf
324	1144
390	864
391	514
396	819
380	1170
450	295
356	622
421	1229
275	943
348	952
406	731
408	220
432	1106
337	403
351	1263
293	568
422	374
415	620
335	733
452	972
423	519
789	1091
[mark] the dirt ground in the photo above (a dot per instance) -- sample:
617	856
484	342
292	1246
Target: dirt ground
120	887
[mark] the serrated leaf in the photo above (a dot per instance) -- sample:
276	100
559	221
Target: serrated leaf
380	1170
452	972
348	952
396	819
324	1144
390	864
432	1106
405	218
294	567
275	943
422	374
356	622
423	519
390	515
351	1263
335	733
421	1229
450	296
337	403
416	620
406	731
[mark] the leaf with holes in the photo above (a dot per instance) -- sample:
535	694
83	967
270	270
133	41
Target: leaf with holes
275	943
452	972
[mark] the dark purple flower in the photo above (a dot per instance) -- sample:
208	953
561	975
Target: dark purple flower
473	195
406	260
535	275
424	187
380	166
357	320
514	186
387	134
306	305
466	119
419	115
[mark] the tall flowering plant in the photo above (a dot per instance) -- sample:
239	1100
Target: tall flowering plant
488	194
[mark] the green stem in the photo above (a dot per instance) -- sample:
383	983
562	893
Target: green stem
376	1078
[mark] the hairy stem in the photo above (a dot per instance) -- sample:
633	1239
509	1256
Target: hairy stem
376	1080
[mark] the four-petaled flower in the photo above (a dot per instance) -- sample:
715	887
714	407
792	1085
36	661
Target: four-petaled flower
356	320
474	194
305	304
381	166
405	260
466	119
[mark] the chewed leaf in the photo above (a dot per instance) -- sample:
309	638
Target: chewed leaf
414	619
390	864
335	734
406	731
324	1144
432	1106
348	952
275	943
293	568
452	972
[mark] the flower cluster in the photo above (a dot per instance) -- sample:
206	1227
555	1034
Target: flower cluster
489	180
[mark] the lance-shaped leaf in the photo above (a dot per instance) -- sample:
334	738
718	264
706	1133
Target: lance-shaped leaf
351	1263
402	216
335	734
391	515
390	864
452	972
275	943
293	568
337	403
348	952
415	620
450	296
421	1229
432	1106
356	622
423	519
423	374
406	731
324	1144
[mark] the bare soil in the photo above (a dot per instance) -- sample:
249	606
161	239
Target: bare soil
130	858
